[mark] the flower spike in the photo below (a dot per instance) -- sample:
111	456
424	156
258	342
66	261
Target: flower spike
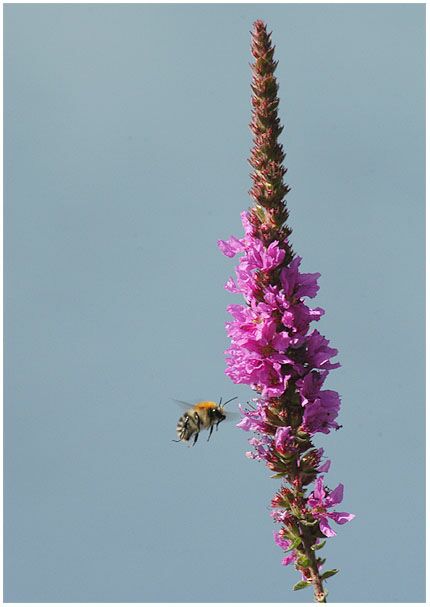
273	348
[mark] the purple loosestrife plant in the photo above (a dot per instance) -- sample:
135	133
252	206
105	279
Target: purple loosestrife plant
274	349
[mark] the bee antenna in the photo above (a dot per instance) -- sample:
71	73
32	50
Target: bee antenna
229	401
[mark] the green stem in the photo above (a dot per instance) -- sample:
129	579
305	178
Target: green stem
307	541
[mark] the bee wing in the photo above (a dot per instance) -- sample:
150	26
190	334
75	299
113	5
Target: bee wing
183	404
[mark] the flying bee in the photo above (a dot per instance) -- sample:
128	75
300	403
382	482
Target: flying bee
204	415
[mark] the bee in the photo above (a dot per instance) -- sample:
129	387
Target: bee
204	415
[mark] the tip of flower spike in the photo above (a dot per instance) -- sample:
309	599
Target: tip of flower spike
259	24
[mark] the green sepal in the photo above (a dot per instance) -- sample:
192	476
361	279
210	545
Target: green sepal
329	573
286	459
318	546
260	212
278	475
302	435
295	511
303	561
294	545
301	585
293	535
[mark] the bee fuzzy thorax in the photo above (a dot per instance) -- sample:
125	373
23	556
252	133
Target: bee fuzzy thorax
206	404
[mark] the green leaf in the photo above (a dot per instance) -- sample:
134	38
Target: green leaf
301	585
278	475
318	546
329	573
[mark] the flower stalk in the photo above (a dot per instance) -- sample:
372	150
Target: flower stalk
274	350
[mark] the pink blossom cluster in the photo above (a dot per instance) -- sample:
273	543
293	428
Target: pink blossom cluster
275	351
271	342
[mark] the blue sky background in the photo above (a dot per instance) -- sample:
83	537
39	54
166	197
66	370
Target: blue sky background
126	139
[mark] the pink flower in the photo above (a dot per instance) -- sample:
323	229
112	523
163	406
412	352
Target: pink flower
321	407
281	541
253	420
320	500
283	438
261	446
298	317
280	515
290	558
285	544
231	286
320	415
296	284
231	247
270	344
262	258
318	352
248	320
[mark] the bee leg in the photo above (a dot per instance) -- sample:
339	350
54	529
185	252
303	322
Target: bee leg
195	438
210	433
197	420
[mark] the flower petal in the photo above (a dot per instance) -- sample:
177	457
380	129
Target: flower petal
325	528
288	559
230	247
335	496
341	517
319	491
325	466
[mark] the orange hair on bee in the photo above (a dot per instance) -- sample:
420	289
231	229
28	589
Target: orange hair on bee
205	404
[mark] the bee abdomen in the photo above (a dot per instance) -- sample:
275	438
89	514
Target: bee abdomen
185	427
